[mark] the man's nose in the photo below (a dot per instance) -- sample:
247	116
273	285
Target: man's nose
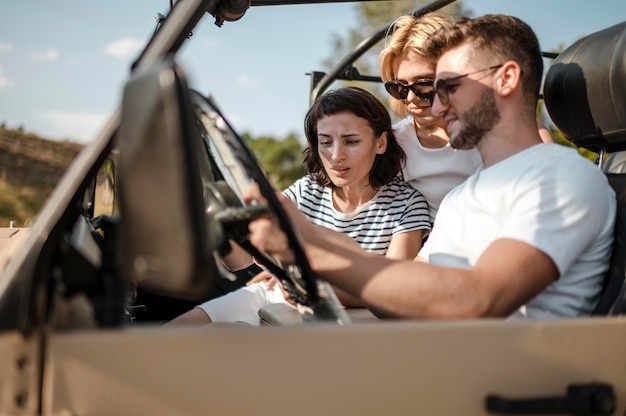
436	107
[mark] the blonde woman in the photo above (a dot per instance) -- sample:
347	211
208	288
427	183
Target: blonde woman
433	166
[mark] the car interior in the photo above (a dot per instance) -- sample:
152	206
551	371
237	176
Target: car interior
198	167
572	91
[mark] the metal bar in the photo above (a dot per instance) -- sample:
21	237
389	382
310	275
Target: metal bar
366	44
175	29
551	55
293	2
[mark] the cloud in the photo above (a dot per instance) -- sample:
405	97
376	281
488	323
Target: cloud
6	47
4	81
247	81
47	55
124	48
74	125
209	43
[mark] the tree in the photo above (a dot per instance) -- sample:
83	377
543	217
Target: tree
370	17
281	159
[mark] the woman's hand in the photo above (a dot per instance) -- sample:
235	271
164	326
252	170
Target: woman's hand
271	283
263	277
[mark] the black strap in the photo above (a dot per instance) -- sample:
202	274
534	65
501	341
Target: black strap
248	273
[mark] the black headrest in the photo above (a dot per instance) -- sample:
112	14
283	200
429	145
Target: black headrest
585	90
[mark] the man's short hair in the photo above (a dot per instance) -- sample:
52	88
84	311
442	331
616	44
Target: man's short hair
496	38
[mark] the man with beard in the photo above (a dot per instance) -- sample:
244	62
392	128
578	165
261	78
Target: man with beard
528	235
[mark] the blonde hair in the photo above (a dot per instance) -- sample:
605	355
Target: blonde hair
407	36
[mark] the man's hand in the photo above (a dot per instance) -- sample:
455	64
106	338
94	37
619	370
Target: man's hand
265	234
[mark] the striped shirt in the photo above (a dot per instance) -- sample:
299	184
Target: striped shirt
396	208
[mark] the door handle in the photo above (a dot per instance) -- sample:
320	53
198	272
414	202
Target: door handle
581	400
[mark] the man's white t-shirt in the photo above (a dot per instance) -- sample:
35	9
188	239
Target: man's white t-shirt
547	196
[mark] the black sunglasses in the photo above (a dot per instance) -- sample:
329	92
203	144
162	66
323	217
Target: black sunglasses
443	89
422	88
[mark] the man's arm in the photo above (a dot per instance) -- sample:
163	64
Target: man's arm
507	275
403	246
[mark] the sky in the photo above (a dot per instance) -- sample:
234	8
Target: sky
64	63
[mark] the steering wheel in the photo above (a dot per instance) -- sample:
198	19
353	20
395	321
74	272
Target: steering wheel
234	167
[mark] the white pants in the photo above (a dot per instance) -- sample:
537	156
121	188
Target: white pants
243	304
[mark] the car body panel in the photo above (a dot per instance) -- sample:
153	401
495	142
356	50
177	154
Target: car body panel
10	238
399	367
20	380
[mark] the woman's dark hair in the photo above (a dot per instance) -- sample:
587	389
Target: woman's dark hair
364	105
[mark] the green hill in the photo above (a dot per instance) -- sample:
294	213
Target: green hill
30	167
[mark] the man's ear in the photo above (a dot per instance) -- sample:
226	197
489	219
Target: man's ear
381	145
509	79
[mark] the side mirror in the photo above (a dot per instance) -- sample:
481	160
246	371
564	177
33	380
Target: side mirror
164	234
100	196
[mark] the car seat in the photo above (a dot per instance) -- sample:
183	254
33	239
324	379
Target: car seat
585	95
